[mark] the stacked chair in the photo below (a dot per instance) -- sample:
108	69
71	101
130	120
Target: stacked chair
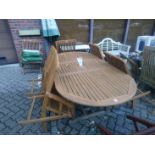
31	54
51	100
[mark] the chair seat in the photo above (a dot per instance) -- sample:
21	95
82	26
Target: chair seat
118	53
115	53
32	59
31	53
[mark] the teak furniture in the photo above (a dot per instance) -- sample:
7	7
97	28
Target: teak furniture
116	62
46	70
31	45
121	65
96	83
95	50
51	100
147	74
65	45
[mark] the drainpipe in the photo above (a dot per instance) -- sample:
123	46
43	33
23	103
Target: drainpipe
126	31
91	31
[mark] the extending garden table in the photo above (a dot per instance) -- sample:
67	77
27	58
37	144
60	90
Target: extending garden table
87	80
94	83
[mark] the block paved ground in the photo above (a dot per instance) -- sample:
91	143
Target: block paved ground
14	106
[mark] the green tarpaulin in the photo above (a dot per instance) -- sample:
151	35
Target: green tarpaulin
50	28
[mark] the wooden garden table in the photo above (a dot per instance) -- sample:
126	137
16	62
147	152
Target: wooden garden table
95	84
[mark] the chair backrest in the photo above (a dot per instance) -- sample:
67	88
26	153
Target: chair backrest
49	82
94	49
53	70
33	44
52	63
47	63
116	62
108	44
148	66
65	45
48	60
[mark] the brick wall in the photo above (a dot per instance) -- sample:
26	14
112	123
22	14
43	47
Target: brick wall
21	24
79	29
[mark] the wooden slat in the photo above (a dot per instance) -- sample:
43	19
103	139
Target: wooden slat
37	120
65	45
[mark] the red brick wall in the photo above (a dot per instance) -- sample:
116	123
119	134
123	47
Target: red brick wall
21	24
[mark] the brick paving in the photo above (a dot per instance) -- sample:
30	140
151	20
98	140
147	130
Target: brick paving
14	106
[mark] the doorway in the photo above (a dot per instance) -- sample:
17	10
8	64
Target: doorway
7	50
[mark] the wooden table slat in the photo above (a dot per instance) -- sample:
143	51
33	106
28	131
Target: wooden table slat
96	83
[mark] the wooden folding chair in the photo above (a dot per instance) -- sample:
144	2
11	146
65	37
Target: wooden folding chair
52	101
148	131
95	50
30	44
65	45
46	69
116	62
121	65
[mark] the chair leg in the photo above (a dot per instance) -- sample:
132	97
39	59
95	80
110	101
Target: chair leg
73	111
60	108
31	109
23	69
133	104
43	115
33	86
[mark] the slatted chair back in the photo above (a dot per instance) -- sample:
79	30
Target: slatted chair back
46	69
148	66
33	44
95	50
48	60
65	45
50	70
49	82
116	62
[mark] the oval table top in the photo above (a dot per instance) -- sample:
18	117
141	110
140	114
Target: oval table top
92	82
